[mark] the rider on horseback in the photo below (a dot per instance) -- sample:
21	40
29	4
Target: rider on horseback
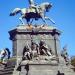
33	6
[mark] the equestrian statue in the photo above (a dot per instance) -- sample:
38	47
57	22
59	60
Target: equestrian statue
33	12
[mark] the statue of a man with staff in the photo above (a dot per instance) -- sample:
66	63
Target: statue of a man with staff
33	5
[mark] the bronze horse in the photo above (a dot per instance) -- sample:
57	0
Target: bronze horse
30	13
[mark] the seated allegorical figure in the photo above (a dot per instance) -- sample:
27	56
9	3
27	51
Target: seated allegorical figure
44	50
34	49
4	56
27	53
65	55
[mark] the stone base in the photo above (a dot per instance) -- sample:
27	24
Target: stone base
46	69
39	68
23	35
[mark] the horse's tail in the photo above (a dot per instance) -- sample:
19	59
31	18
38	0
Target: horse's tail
15	11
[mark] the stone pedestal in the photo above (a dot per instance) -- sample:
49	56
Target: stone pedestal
40	65
22	35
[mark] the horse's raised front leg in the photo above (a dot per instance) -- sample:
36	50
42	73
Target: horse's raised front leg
49	19
21	20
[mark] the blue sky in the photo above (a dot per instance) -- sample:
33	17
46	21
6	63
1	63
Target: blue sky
62	12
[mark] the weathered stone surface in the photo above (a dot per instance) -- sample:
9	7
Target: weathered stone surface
46	69
41	65
24	34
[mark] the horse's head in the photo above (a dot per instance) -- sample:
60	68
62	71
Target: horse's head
46	6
